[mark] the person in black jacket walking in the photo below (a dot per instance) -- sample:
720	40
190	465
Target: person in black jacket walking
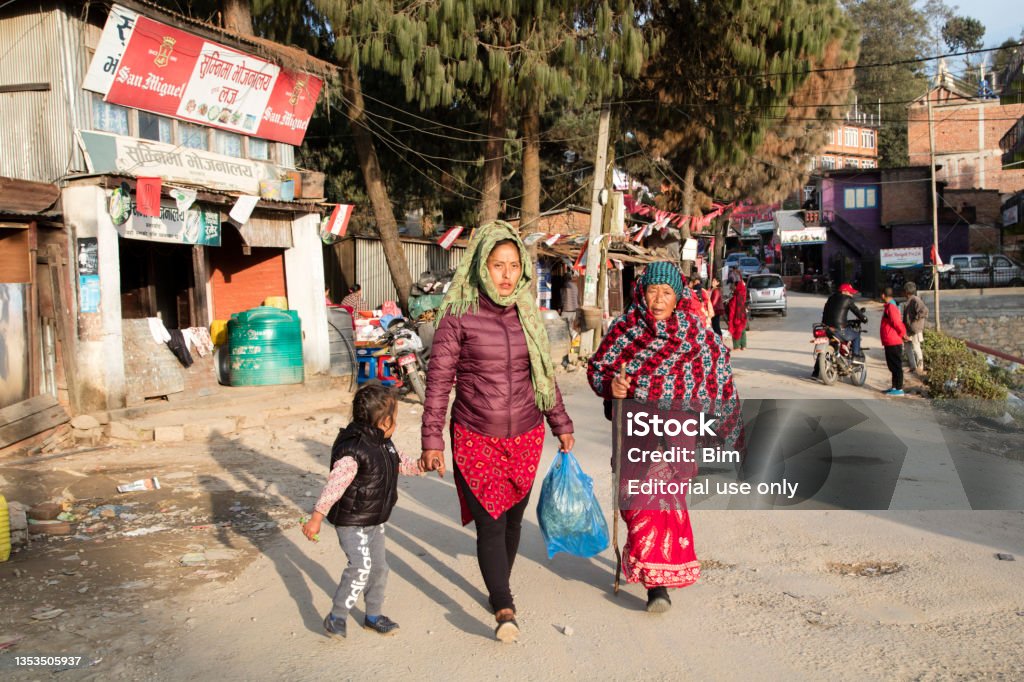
360	493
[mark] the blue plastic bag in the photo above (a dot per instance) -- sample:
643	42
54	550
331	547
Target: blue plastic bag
570	517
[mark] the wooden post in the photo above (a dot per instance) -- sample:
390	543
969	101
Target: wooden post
935	215
594	263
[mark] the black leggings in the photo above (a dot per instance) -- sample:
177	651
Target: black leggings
497	542
894	358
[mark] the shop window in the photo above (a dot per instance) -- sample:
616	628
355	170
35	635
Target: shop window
228	144
154	127
259	149
860	197
193	136
108	117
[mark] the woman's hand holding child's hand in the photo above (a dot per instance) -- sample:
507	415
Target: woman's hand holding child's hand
433	460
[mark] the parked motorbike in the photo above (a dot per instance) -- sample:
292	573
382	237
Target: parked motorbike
833	357
405	347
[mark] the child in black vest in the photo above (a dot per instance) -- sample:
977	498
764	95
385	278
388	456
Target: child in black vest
360	493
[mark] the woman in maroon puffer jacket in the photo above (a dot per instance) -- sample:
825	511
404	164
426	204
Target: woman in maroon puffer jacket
491	343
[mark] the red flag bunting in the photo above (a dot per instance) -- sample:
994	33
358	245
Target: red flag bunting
338	224
147	196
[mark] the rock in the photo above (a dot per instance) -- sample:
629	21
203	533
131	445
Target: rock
47	511
90	436
169	434
124	431
567	630
193	559
46	614
1005	557
85	422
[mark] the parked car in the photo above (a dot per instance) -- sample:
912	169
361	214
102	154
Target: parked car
733	259
749	266
767	293
983	270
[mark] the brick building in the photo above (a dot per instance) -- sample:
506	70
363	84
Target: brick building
968	131
854	144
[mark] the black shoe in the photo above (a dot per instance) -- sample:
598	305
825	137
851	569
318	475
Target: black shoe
383	625
335	627
658	600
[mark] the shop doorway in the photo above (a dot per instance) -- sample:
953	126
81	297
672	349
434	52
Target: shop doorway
158	280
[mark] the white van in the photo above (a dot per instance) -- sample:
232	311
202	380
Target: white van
983	270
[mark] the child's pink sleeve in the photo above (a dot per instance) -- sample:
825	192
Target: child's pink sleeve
342	475
408	466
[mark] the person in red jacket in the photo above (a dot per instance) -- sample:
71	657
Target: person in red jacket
492	345
893	334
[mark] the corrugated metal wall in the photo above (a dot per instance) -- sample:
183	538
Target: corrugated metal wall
36	139
372	268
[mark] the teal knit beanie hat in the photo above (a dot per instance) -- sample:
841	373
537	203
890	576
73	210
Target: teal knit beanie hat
663	272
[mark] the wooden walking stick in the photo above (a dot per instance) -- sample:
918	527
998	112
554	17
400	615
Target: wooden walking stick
617	430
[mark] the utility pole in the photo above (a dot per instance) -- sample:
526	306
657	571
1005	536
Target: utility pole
594	260
935	216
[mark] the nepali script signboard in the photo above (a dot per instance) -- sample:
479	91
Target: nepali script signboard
168	71
108	153
906	257
174	226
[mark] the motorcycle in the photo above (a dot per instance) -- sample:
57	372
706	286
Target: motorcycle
405	347
833	357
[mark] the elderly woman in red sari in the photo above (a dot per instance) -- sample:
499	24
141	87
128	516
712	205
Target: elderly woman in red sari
659	352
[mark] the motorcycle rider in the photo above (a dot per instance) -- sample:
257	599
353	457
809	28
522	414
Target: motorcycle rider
836	314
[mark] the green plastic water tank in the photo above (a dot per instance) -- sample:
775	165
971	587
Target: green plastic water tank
266	347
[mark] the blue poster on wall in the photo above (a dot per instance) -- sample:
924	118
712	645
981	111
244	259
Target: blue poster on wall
89	293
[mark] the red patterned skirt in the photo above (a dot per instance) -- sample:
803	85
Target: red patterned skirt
659	548
499	471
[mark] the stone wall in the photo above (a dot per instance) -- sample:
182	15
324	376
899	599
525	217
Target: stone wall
990	317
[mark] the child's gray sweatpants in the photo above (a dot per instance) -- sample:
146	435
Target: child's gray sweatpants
367	570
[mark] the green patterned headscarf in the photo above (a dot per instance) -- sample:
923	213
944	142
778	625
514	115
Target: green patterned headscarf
472	277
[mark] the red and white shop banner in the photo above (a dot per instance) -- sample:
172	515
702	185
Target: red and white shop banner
168	71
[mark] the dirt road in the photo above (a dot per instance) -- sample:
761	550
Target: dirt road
794	595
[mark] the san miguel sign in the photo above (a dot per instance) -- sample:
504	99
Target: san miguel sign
167	71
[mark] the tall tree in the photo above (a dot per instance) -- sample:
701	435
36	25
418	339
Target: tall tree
237	16
726	73
892	32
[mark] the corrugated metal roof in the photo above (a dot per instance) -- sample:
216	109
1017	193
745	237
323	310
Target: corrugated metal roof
789	220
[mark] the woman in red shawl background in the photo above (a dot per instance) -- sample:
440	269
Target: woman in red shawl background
659	352
738	315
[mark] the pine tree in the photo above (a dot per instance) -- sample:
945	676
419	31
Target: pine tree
726	73
893	32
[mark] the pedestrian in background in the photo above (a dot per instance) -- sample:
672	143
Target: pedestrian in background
738	316
915	314
570	302
717	306
893	335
